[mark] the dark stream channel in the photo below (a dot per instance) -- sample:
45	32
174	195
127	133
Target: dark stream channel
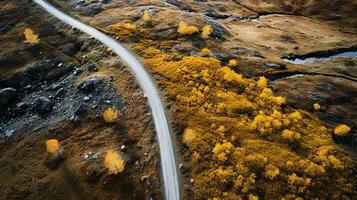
319	57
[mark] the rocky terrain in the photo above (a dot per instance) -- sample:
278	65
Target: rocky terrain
67	80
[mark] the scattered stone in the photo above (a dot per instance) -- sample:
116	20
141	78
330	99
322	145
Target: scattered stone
77	71
213	14
90	156
255	54
92	68
275	66
60	92
90	84
28	87
94	9
71	49
77	4
144	178
43	105
22	105
180	166
9	133
7	95
218	31
86	98
104	1
4	28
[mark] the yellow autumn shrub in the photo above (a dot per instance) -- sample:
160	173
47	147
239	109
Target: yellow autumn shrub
146	16
30	36
205	52
184	29
232	63
52	146
114	162
342	130
110	115
207	31
317	106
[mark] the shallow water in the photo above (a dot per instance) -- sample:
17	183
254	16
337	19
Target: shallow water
348	54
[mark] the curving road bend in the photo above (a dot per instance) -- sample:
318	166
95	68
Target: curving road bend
168	162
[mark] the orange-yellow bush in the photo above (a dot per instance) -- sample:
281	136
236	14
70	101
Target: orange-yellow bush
262	82
110	115
146	16
188	136
342	130
291	135
52	146
30	36
205	52
207	31
114	162
186	30
317	106
232	63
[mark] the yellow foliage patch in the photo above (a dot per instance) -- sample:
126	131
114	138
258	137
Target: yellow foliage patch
146	16
188	136
207	31
114	162
186	30
342	130
205	52
317	106
52	146
239	149
30	36
110	115
232	63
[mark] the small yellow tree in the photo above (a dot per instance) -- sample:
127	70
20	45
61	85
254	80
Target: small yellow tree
317	106
205	52
110	115
232	63
53	147
146	16
114	162
206	31
342	130
129	26
30	36
186	30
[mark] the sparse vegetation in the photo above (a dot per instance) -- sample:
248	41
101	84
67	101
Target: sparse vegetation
317	106
52	146
184	29
114	162
207	31
31	37
342	130
110	115
205	52
146	16
232	63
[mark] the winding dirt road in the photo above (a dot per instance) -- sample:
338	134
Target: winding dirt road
168	161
